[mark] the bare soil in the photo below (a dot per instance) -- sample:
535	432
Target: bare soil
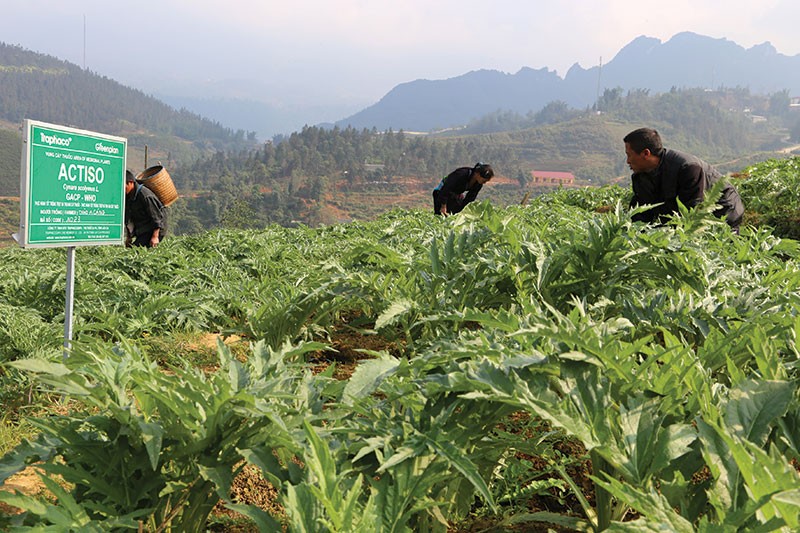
25	482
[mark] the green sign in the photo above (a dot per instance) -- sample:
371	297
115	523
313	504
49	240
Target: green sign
72	187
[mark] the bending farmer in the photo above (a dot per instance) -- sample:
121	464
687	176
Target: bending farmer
459	188
664	176
145	215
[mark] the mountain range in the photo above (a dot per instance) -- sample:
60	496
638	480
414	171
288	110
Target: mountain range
687	60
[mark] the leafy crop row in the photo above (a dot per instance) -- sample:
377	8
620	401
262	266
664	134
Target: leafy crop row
669	354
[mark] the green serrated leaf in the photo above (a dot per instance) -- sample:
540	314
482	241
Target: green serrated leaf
153	437
390	315
41	366
367	377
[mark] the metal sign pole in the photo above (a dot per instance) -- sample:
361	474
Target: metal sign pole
70	300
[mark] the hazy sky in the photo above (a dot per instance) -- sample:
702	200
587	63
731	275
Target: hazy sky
317	53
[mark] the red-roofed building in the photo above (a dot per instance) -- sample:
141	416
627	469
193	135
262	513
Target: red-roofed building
552	178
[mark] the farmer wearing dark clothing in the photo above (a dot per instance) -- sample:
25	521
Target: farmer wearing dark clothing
459	188
145	216
664	176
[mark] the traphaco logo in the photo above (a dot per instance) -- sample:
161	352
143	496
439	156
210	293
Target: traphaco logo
54	139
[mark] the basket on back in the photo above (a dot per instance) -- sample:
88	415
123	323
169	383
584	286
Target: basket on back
158	180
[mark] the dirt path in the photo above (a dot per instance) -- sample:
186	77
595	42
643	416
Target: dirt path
26	482
790	149
787	150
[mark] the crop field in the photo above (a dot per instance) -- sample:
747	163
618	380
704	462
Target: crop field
547	367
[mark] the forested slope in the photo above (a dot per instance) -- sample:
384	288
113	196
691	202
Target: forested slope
40	87
10	154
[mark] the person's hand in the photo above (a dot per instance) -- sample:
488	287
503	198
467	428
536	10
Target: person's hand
155	238
443	211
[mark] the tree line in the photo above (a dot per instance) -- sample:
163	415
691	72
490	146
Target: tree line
721	119
277	182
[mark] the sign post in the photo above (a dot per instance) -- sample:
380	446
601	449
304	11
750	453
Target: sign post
72	193
70	299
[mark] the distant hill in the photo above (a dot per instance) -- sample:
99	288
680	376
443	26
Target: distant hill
266	119
328	174
41	87
687	60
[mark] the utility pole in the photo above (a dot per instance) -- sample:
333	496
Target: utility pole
84	41
599	74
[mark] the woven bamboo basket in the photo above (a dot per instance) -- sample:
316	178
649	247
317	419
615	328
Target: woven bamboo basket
158	180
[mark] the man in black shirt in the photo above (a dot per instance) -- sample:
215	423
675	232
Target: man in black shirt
664	176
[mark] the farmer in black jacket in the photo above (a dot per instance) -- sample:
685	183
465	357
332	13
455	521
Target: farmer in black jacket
145	216
459	188
663	176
